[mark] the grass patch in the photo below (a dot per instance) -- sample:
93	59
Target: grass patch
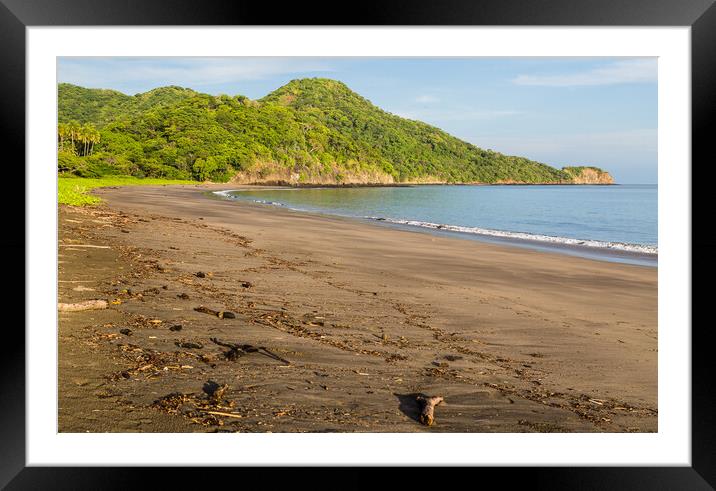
75	190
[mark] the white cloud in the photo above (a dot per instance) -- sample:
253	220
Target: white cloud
618	72
188	72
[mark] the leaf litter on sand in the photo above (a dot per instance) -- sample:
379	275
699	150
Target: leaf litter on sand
152	363
208	408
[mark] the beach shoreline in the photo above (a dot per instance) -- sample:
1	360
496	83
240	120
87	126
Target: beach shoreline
635	254
516	340
308	185
627	253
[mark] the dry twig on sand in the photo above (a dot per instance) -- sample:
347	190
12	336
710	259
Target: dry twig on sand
237	350
222	413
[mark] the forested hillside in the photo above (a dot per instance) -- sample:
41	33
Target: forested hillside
308	131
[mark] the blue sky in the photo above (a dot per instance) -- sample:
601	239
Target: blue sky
561	111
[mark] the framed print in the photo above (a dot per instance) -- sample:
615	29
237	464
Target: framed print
426	236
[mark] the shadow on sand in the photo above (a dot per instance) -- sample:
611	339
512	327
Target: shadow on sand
409	405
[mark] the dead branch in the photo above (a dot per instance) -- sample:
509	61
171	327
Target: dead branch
237	350
221	413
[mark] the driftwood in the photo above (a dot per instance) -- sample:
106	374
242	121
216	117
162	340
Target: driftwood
222	413
221	314
238	350
77	307
205	310
428	408
85	245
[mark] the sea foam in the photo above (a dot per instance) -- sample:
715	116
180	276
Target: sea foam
620	246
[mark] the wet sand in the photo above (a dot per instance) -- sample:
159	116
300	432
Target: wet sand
338	325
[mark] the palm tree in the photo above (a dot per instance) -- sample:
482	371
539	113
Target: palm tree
80	136
93	138
85	135
62	132
74	128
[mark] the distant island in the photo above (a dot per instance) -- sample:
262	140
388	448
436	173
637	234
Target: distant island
310	131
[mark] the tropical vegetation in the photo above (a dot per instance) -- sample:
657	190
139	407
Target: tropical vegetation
308	131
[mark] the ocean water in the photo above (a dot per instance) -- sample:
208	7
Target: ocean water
620	219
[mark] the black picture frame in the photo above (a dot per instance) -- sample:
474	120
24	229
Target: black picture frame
700	15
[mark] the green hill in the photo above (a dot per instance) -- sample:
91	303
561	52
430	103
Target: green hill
308	131
101	106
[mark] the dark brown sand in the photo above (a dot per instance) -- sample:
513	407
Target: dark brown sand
366	317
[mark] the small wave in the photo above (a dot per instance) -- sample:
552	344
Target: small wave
620	246
227	194
265	202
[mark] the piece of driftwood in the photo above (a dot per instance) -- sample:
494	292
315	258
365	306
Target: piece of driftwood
221	314
222	413
84	245
238	350
87	305
427	410
205	310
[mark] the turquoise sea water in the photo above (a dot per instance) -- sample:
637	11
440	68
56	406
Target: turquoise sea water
621	219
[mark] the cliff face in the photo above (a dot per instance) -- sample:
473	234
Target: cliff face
271	173
275	174
588	175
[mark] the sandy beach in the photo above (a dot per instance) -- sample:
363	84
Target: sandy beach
335	325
